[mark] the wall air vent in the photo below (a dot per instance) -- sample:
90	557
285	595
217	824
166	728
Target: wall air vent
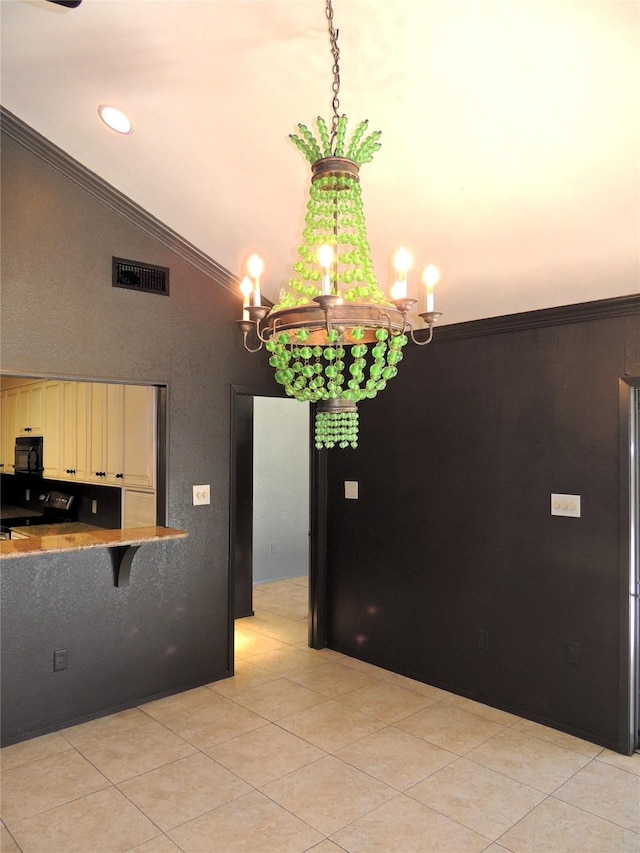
136	276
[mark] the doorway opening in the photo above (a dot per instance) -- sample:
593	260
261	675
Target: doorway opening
281	475
276	503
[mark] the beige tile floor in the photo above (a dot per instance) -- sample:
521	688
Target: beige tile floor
310	750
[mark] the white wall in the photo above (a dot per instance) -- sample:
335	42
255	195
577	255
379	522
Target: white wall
280	489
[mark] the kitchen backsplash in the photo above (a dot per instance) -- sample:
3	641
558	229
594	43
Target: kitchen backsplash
108	498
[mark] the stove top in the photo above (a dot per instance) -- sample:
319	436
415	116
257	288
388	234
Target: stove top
55	500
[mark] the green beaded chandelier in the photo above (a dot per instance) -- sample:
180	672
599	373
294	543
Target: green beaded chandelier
334	337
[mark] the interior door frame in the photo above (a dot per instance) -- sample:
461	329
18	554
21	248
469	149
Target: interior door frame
240	474
629	714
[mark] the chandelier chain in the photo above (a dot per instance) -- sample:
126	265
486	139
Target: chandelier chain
335	87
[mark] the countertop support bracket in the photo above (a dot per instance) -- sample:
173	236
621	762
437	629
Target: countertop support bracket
121	559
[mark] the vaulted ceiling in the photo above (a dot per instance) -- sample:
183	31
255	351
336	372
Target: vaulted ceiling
510	130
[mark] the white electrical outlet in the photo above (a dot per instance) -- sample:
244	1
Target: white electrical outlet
201	495
94	507
351	489
565	505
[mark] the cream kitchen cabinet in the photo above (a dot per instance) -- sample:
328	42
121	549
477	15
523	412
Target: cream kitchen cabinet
138	445
10	399
30	409
122	444
52	429
6	455
92	432
104	407
74	431
138	508
22	415
3	431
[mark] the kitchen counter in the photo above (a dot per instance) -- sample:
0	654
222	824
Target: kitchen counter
37	531
122	544
96	538
7	512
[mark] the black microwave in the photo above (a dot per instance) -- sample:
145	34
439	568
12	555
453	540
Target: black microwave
28	456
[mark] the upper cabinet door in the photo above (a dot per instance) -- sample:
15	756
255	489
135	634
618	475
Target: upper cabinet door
97	438
8	421
69	432
52	424
113	434
31	409
139	436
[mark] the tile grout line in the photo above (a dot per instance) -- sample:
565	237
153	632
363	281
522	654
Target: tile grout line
386	726
581	808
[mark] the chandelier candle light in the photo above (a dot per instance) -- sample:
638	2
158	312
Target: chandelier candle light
335	338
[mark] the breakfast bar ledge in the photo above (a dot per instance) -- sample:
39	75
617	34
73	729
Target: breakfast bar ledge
122	544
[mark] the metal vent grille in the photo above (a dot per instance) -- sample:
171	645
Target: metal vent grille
135	276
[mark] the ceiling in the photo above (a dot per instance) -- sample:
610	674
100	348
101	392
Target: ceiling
510	130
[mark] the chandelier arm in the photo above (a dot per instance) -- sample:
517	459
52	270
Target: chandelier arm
407	326
265	338
245	327
387	317
247	347
421	343
327	319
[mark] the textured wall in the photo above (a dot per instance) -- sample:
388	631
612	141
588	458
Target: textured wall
452	533
61	317
280	493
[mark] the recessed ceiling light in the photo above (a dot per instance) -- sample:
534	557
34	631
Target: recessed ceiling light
115	119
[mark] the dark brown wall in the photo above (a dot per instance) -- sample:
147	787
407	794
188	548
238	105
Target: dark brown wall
170	628
452	533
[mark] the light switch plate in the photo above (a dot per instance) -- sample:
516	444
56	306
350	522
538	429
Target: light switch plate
565	505
201	495
351	489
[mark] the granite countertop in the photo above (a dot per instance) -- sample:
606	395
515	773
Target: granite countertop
95	537
40	530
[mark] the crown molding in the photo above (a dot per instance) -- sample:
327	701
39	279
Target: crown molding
54	156
583	312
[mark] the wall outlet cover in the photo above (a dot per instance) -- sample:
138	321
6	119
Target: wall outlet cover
351	490
59	660
566	505
201	495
